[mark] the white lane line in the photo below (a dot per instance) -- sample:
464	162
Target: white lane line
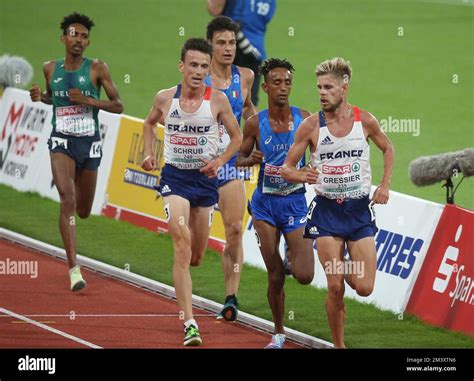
50	329
74	315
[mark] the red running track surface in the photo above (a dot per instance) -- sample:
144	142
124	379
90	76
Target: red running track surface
49	294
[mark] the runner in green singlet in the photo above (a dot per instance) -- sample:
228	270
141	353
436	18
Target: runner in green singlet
73	88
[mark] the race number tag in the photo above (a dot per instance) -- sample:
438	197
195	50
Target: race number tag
372	211
224	140
166	207
76	120
96	150
58	142
273	183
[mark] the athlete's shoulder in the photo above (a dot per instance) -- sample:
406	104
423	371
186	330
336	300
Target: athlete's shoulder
164	95
312	120
304	113
99	66
252	124
254	119
246	73
48	66
218	95
367	119
167	93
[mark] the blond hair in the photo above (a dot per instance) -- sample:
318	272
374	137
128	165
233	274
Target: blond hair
337	66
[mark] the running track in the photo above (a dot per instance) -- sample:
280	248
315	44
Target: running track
43	313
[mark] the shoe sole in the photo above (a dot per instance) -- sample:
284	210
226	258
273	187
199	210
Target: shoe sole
193	342
229	313
79	286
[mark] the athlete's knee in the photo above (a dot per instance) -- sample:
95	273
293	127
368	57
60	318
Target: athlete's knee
182	258
182	246
336	290
67	200
305	277
364	289
233	231
303	272
276	279
196	258
83	212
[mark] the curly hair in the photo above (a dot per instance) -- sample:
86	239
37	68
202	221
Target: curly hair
76	18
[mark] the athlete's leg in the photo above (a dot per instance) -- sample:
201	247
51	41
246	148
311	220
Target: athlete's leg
86	181
330	252
232	206
177	210
302	255
269	238
364	264
200	227
64	169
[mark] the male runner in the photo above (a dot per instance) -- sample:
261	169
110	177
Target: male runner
252	17
236	83
341	213
277	205
73	88
188	183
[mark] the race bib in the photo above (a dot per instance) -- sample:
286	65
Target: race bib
224	140
273	183
96	150
76	120
58	142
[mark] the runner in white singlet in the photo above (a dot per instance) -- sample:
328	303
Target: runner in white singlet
341	213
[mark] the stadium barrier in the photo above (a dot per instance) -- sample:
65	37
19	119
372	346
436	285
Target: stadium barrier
443	293
406	225
25	128
411	243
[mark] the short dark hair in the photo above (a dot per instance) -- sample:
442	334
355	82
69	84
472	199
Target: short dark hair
199	44
221	23
272	63
76	18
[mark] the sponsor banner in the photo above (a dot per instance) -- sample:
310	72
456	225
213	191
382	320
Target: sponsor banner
130	188
25	128
444	291
406	225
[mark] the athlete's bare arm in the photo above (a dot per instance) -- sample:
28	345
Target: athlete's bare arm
248	156
220	107
36	94
101	73
375	133
215	7
305	114
248	77
306	135
156	114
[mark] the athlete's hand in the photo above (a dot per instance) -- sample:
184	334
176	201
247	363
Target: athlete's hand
75	96
381	194
255	157
211	167
149	163
309	175
35	93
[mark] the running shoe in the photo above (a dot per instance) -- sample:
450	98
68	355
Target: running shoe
277	341
77	282
230	310
192	337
